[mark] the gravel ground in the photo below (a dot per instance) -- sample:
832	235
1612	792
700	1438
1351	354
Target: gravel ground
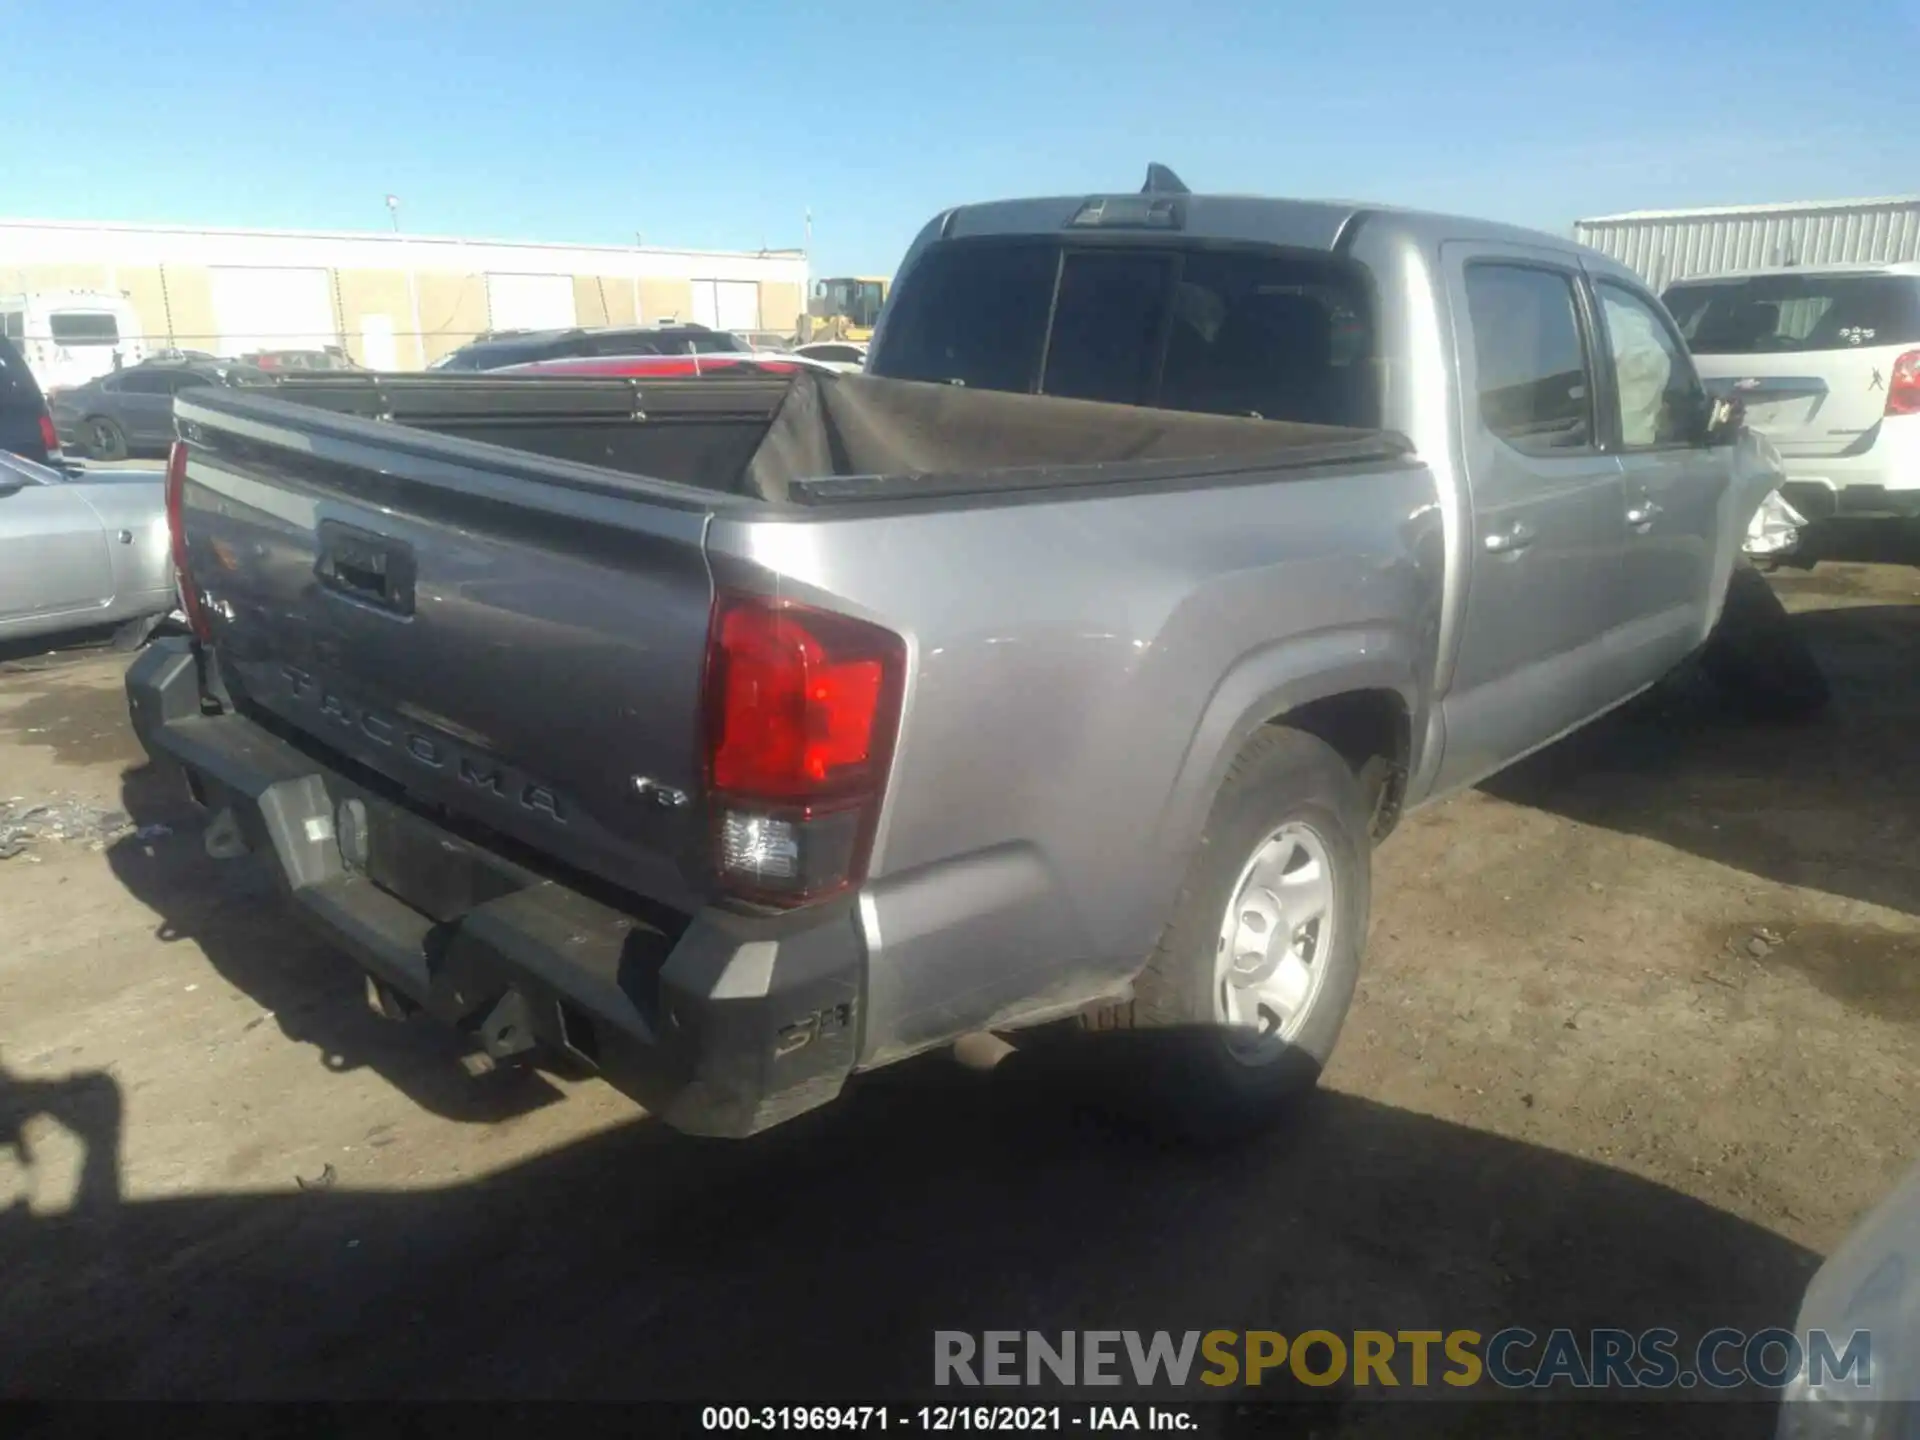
1633	1048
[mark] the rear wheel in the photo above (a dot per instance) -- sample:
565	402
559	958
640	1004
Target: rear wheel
1251	983
105	440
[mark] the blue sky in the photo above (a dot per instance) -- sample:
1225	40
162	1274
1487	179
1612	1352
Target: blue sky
720	124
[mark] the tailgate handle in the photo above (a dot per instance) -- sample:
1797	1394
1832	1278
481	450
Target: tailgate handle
373	569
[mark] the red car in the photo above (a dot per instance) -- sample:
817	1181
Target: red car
743	364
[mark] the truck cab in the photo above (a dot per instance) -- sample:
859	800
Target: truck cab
1588	504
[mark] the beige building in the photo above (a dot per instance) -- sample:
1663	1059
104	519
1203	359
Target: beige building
390	301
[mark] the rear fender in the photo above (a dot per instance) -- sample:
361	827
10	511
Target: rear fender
1262	688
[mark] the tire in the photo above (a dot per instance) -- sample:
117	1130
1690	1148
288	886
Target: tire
1757	658
104	439
135	633
1207	1074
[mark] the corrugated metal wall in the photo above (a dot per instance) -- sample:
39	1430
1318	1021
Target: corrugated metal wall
1664	248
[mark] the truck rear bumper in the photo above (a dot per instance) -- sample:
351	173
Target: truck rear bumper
727	1027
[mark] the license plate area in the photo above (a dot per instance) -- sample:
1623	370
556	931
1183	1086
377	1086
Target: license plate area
423	867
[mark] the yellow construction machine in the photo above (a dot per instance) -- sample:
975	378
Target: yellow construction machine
844	308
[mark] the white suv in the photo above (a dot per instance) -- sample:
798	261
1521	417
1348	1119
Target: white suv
1827	362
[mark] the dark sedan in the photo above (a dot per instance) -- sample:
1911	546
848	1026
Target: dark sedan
131	410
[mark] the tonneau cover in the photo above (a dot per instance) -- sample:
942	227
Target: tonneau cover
765	435
862	425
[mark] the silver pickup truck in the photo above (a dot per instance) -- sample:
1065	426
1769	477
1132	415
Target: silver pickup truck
739	734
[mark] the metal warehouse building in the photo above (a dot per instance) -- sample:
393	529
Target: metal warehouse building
1668	245
391	301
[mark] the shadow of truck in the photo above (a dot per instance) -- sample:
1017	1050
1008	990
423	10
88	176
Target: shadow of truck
1831	804
819	1259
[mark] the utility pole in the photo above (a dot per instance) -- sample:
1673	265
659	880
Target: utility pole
413	288
803	325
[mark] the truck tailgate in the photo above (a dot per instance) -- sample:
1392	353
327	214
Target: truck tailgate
501	645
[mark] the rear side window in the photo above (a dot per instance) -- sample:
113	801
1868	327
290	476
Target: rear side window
1786	314
497	357
468	358
1221	331
83	327
1531	369
627	344
143	382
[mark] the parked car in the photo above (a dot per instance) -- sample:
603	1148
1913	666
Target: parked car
26	427
82	548
531	346
132	410
1066	666
1827	364
840	354
742	363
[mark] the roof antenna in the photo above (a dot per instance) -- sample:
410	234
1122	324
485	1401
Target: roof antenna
1162	181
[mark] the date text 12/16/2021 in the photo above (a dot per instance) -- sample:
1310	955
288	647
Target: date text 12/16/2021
939	1419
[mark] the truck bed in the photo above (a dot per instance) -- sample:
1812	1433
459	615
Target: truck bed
820	437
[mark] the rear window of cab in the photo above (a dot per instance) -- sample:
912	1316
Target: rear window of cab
1272	334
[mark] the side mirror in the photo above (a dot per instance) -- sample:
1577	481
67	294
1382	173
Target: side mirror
1726	417
11	487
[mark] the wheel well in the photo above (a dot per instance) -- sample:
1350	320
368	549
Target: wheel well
1371	731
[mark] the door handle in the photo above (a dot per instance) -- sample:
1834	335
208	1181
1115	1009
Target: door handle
373	569
1510	541
1642	514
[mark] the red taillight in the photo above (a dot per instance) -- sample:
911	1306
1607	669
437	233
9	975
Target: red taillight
50	437
801	710
177	534
1903	388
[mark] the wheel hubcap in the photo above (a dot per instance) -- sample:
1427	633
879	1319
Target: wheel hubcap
1276	938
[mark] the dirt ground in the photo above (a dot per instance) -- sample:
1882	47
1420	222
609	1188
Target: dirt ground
1634	1047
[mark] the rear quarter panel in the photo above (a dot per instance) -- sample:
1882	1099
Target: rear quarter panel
133	512
1081	673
